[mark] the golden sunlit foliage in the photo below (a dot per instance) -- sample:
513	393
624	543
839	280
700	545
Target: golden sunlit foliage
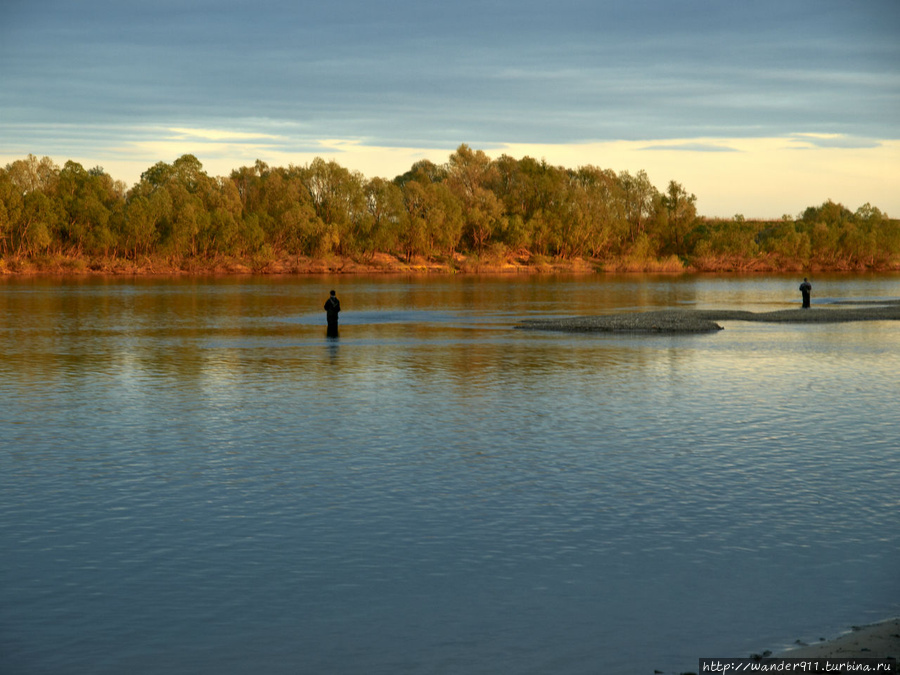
470	206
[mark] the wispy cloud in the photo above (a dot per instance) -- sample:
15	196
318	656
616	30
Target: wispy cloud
690	147
807	141
219	135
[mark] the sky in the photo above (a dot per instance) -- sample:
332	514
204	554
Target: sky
760	108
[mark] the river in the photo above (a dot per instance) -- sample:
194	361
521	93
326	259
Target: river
194	479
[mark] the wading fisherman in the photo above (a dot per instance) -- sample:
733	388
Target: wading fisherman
806	289
332	309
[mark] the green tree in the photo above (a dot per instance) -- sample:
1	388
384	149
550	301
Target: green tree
423	172
38	214
188	188
681	214
338	196
32	174
445	219
89	200
284	211
786	244
143	215
40	217
886	233
11	205
224	206
542	188
249	181
725	244
639	199
431	221
596	196
157	176
469	175
384	201
412	231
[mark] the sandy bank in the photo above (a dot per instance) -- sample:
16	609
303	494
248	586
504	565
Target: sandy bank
879	640
704	321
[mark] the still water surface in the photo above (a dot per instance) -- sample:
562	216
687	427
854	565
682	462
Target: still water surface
193	479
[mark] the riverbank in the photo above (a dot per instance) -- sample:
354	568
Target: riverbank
507	262
705	321
378	263
876	641
879	640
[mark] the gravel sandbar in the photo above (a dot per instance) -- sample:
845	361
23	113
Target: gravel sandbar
704	320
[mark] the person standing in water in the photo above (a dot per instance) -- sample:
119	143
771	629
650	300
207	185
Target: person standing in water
332	309
806	290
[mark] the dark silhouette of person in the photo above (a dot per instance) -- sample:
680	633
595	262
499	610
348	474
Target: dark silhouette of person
332	309
806	290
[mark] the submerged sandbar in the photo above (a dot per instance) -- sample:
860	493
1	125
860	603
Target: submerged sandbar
704	320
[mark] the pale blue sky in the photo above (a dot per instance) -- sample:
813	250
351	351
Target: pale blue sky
760	107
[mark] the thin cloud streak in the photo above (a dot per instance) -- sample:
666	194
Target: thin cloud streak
691	147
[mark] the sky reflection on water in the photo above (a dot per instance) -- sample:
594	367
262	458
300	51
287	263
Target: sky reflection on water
194	479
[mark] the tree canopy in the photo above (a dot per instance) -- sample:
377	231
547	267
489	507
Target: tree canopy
471	205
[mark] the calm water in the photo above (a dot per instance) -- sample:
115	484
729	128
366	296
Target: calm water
193	479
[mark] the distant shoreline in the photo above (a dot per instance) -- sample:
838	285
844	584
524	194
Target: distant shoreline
385	263
286	265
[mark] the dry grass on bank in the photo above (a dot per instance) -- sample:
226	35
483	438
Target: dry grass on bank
494	261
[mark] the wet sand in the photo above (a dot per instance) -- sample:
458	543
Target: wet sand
875	641
705	320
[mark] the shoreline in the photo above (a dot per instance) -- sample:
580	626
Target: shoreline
879	640
509	262
875	641
675	321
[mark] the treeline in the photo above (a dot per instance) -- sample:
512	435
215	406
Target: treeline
470	206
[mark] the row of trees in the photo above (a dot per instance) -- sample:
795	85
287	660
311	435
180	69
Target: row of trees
472	204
